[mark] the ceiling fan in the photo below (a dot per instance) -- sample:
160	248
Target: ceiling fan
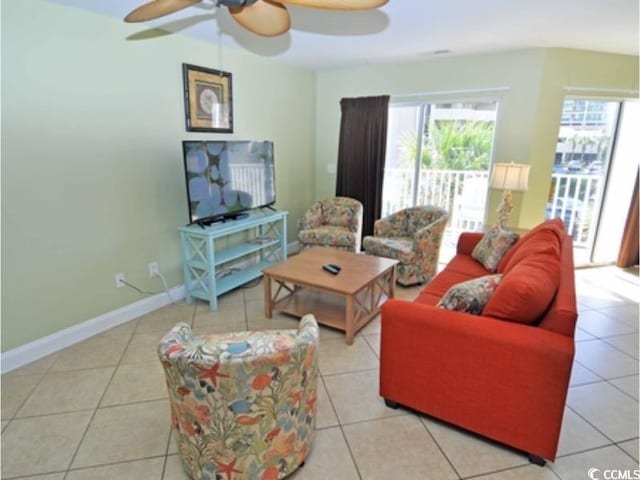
263	17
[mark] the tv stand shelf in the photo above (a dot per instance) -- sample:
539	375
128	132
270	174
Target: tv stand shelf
209	273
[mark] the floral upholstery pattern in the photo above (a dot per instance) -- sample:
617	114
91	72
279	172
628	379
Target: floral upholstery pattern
242	404
470	296
413	237
332	222
492	247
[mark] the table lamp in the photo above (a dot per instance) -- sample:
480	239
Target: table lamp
508	177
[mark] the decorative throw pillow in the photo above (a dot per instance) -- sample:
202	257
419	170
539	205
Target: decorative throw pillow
470	296
493	246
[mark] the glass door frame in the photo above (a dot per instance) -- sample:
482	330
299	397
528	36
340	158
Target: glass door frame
594	223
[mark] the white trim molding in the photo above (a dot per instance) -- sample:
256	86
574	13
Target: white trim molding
477	94
599	92
293	248
30	352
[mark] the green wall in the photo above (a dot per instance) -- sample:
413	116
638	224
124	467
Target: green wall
532	84
92	180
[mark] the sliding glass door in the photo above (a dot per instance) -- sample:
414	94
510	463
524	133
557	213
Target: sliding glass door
440	154
582	163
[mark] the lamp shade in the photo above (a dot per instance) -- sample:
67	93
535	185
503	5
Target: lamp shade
510	176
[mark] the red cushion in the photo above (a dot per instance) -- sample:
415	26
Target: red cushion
439	285
466	265
426	298
467	241
527	289
544	238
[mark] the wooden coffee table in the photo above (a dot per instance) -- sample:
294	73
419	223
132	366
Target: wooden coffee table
347	301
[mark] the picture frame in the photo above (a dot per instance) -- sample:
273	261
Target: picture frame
208	100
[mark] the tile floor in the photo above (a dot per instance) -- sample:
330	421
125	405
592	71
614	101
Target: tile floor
99	409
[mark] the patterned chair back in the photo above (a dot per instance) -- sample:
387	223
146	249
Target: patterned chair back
242	404
342	212
332	222
421	216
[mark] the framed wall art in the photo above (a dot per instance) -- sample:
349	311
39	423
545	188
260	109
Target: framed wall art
208	99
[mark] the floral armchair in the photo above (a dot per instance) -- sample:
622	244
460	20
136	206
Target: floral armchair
413	237
242	404
333	222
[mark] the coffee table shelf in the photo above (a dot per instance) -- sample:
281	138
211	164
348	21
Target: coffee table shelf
329	310
347	301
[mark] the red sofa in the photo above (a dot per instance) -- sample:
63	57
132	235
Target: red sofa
503	374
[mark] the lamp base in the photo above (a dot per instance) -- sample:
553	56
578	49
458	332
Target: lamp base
505	208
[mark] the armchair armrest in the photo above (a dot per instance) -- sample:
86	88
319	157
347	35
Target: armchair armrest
430	236
312	217
179	344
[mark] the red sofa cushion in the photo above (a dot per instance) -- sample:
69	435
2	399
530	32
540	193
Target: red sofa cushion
467	266
460	269
527	289
545	237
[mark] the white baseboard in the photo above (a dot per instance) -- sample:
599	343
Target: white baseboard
30	352
293	247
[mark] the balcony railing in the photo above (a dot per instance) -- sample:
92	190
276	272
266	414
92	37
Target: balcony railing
574	199
464	193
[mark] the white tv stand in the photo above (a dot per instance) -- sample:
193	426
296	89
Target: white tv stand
210	272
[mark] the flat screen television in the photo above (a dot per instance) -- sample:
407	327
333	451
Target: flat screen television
226	178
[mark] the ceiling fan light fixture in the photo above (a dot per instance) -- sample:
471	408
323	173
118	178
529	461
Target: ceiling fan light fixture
268	18
235	3
263	17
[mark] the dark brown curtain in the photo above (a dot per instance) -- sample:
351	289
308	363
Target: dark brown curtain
628	255
361	154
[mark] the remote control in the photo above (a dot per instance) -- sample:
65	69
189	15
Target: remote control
334	266
331	269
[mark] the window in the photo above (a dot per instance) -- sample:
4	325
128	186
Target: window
440	154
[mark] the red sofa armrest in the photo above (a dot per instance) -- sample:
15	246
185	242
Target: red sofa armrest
467	241
503	380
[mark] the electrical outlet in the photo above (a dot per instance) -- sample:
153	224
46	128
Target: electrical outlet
120	280
154	269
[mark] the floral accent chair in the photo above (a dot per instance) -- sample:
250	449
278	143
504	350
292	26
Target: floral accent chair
332	222
413	237
243	404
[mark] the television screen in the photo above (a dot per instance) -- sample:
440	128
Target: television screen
225	178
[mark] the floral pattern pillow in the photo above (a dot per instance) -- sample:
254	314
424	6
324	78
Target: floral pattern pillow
495	243
470	296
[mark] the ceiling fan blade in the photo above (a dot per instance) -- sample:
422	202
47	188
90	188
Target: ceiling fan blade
264	17
157	8
337	4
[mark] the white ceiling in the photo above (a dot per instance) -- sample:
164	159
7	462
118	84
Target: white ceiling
405	29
